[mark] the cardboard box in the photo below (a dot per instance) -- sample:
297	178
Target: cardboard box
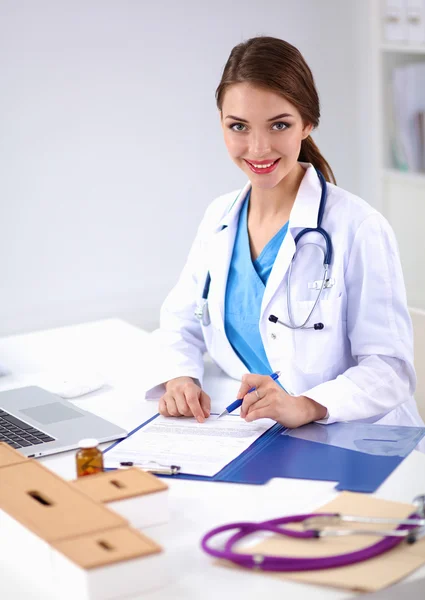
37	508
136	495
10	456
48	506
43	517
106	565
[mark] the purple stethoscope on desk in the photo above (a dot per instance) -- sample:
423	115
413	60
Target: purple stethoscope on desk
410	529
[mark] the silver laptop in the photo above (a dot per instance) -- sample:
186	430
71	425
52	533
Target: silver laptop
37	422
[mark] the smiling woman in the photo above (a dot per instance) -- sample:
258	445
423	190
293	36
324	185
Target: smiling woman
258	143
267	146
356	362
264	65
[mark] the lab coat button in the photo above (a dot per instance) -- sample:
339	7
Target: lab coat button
273	336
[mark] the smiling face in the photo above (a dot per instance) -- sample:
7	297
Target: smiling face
262	132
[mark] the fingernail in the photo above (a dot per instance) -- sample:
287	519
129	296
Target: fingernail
201	419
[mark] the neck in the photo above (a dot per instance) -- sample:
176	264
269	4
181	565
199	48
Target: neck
267	204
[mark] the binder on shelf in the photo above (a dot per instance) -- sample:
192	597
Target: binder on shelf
276	454
415	19
394	20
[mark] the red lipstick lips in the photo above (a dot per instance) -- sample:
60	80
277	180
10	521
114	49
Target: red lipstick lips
258	167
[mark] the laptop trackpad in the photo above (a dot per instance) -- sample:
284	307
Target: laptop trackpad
51	413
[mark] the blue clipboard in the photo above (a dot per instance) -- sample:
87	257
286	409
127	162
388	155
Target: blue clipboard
277	454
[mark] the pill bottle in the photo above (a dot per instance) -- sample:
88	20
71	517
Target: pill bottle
89	459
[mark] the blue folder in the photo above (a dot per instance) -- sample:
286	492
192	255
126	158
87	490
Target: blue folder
277	454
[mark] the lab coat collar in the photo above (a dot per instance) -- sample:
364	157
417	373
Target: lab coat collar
306	206
303	214
234	208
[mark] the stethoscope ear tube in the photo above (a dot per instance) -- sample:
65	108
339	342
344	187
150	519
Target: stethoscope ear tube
206	289
316	326
327	259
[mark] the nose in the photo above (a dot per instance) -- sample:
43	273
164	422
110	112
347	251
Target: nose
260	144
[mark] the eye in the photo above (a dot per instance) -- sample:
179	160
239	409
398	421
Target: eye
280	126
238	127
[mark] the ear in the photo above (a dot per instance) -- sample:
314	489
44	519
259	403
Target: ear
307	129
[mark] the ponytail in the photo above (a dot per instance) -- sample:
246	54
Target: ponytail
310	153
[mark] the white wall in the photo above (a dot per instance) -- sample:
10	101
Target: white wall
110	146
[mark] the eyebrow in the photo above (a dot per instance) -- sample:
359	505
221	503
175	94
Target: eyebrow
282	116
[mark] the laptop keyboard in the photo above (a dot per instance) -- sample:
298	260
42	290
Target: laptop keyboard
19	434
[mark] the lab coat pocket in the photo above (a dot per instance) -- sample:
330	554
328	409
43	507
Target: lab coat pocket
318	350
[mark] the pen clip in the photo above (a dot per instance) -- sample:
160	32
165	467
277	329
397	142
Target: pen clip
152	466
171	470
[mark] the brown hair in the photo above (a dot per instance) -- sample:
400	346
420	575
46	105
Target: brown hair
273	64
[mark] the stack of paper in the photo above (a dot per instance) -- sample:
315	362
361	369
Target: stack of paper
197	448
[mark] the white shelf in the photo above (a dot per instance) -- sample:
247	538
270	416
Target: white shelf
403	48
400	194
408	177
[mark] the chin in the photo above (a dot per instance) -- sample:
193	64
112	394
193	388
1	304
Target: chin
264	185
265	182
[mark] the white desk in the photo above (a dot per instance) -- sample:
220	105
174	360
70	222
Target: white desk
117	350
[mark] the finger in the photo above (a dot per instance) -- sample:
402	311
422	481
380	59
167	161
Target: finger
171	406
205	404
251	399
260	412
162	407
249	381
182	405
193	399
259	404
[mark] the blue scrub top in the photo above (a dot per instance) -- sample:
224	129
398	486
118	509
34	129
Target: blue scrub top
246	283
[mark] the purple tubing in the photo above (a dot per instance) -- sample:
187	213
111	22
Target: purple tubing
287	563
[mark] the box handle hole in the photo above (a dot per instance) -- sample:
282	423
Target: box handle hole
117	483
43	500
105	545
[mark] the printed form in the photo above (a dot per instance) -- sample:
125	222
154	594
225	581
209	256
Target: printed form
198	448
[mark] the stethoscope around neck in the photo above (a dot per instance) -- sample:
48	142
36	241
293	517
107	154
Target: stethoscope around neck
202	312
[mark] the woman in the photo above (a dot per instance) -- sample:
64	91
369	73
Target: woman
353	358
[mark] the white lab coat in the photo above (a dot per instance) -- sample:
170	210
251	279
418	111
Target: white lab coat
360	366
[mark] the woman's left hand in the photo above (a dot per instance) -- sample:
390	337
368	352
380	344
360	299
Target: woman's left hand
270	401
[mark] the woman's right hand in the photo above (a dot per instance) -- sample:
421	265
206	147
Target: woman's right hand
184	398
